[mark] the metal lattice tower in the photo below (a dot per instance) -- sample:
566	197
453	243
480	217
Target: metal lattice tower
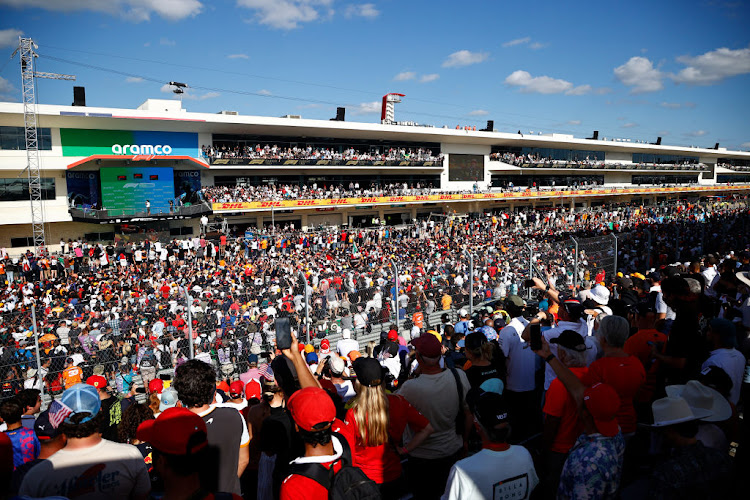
26	48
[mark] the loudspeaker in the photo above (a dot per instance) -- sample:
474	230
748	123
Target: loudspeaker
79	96
658	141
594	137
716	146
490	126
340	114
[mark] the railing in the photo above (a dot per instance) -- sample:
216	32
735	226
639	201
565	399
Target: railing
603	166
266	162
107	214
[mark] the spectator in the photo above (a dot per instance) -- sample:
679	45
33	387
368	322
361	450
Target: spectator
346	344
433	395
180	453
722	339
378	422
87	454
31	402
499	470
25	443
228	439
111	407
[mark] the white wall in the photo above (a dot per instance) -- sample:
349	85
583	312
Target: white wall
618	157
465	149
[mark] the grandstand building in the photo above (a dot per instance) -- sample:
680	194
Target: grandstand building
102	166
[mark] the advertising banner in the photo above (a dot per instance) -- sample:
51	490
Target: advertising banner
128	189
88	142
510	196
83	189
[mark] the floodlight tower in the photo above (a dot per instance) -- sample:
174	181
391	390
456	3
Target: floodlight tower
387	113
26	47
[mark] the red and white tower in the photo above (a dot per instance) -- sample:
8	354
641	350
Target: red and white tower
387	113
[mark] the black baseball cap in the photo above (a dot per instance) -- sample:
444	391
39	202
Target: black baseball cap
44	428
368	371
489	408
570	340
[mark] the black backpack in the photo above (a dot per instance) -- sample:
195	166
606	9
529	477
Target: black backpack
349	483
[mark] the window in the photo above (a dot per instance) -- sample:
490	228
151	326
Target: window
137	176
663	159
14	138
153	177
95	237
22	242
539	154
734	178
180	231
122	178
17	189
664	179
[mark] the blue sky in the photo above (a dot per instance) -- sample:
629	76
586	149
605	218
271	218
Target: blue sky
628	69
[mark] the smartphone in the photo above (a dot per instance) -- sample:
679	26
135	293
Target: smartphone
536	336
529	283
283	333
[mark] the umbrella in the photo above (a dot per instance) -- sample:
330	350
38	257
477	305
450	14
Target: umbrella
47	337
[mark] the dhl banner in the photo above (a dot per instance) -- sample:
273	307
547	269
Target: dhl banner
521	195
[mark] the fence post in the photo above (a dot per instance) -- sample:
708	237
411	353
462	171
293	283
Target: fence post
307	305
575	267
648	257
614	272
191	342
395	293
36	344
531	269
471	282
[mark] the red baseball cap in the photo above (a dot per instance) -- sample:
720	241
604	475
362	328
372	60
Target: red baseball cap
325	344
311	407
236	388
428	346
253	390
392	335
602	402
156	385
223	386
177	431
97	381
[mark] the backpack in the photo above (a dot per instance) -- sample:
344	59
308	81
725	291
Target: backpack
349	483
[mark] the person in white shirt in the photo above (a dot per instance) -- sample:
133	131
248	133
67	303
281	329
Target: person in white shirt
498	470
722	336
347	344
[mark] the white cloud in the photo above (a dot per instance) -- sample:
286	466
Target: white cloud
697	133
132	10
264	92
537	45
405	75
544	84
368	108
464	58
479	112
429	78
574	122
134	79
629	125
286	14
745	145
677	105
167	41
6	88
367	10
517	41
639	73
714	66
238	56
9	37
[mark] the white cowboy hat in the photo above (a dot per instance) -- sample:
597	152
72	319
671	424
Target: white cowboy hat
673	410
701	397
744	277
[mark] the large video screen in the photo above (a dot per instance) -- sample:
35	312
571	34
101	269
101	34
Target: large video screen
187	184
83	188
126	189
466	168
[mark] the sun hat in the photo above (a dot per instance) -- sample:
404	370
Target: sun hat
176	431
701	397
311	407
600	295
675	410
81	398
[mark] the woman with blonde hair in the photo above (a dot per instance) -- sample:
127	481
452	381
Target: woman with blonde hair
378	421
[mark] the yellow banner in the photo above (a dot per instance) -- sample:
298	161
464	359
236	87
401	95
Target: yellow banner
522	195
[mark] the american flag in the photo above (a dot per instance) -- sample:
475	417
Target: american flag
265	371
57	413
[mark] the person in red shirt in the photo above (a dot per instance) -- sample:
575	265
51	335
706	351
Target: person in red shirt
618	369
377	421
314	413
562	424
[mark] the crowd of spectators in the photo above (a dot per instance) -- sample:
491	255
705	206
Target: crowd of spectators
470	392
537	160
317	153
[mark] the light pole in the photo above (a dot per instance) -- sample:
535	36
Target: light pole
471	281
395	292
307	305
